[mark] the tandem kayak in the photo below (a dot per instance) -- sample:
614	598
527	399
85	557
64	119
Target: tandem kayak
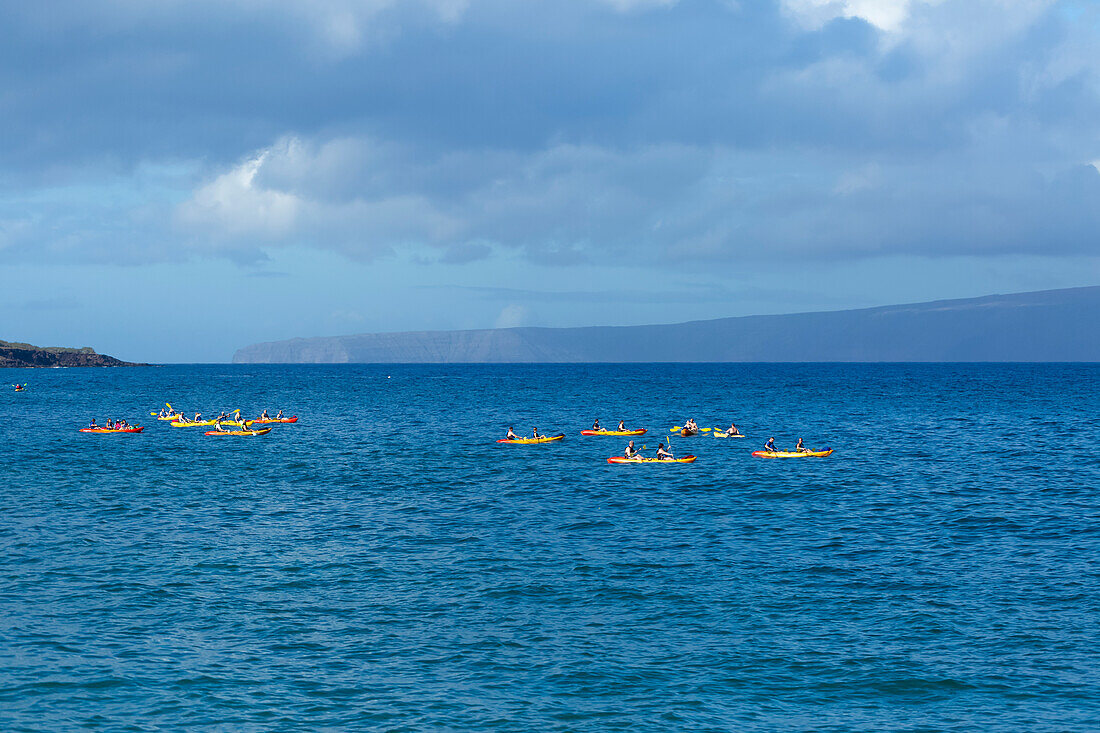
261	431
207	423
793	454
267	420
525	441
624	459
111	430
639	431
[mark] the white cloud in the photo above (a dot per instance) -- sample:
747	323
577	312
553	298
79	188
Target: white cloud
232	204
512	316
888	15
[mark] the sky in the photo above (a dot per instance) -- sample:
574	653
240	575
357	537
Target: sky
181	178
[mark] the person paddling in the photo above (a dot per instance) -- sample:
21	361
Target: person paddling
663	453
631	451
511	435
801	448
93	425
733	430
622	426
596	424
279	416
198	417
769	447
263	415
535	433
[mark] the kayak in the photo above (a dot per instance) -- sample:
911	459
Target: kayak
206	423
685	433
526	441
624	459
639	431
261	431
265	421
793	454
167	418
111	430
722	434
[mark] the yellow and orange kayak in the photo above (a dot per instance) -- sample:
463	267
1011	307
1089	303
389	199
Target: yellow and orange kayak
527	441
793	454
112	430
261	431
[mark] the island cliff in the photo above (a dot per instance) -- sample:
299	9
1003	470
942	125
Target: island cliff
1052	325
26	355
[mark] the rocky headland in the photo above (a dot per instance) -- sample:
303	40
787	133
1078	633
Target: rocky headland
27	355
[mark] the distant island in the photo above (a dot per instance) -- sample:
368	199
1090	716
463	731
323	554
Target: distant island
28	355
1050	325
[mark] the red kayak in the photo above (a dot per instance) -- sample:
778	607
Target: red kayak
259	421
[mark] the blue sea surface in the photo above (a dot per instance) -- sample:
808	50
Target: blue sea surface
384	564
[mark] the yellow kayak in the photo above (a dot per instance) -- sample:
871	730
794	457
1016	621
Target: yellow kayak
793	454
527	441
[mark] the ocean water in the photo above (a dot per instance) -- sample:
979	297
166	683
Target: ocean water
385	565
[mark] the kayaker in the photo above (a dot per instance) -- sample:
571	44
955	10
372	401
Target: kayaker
664	454
769	447
218	425
93	425
263	415
511	435
198	417
535	433
631	451
596	424
733	430
279	416
622	426
800	448
222	416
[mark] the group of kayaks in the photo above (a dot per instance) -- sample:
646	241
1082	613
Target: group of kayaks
179	420
686	431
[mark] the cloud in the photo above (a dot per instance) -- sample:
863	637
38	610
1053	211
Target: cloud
512	316
885	14
232	204
663	134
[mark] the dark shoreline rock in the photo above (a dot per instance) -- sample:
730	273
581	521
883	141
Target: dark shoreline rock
17	355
